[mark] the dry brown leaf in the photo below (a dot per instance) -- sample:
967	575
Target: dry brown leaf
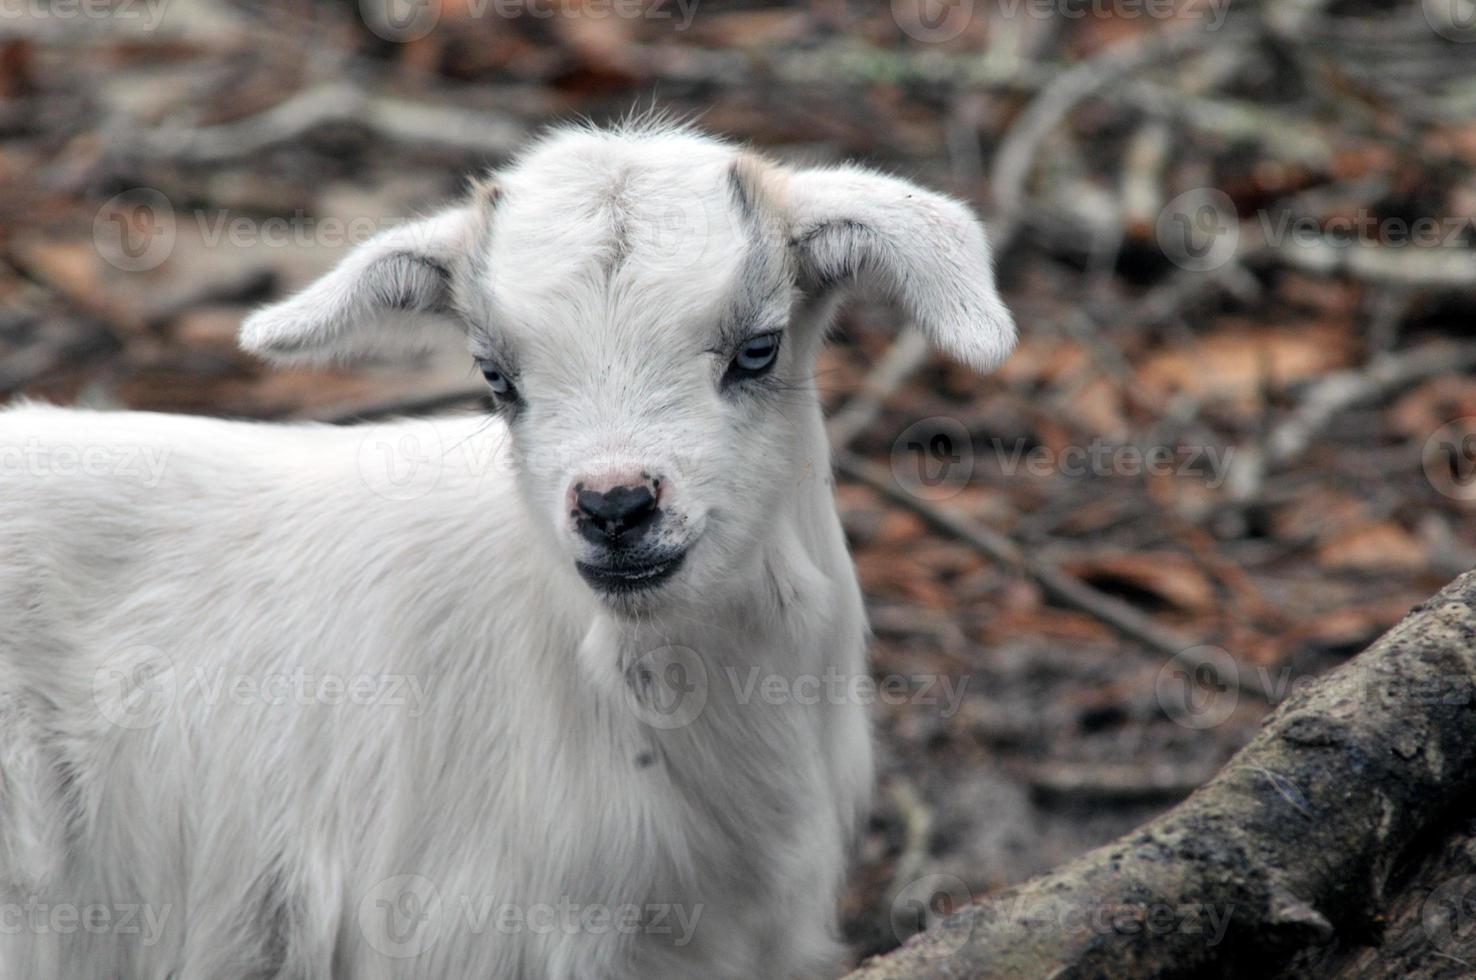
1385	545
1425	409
1169	577
1237	360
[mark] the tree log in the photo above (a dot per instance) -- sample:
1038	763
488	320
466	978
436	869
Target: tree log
1291	861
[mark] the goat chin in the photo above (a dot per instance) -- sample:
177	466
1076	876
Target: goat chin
261	717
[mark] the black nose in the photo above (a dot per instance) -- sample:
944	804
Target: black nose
608	517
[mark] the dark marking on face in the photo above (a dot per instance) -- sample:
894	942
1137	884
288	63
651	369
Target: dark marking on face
738	187
765	275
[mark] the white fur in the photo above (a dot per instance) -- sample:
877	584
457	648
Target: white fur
520	766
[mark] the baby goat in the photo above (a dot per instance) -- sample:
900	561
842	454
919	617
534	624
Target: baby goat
269	710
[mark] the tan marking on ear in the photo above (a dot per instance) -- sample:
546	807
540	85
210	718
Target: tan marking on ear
484	192
764	184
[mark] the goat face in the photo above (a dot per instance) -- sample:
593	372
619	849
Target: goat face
646	305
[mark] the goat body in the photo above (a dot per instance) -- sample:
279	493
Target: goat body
310	701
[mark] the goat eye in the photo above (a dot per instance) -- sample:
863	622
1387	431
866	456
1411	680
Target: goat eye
496	380
757	355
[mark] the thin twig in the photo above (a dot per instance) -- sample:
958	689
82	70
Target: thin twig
1056	584
403	120
1333	394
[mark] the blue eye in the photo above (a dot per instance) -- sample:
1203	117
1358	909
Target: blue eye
757	355
496	380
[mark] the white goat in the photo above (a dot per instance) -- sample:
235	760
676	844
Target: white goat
270	710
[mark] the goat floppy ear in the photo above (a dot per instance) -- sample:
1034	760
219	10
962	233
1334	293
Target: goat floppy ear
387	295
923	251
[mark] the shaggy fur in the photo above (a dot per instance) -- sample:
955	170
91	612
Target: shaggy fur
305	701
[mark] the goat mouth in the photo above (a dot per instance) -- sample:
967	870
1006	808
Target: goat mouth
630	577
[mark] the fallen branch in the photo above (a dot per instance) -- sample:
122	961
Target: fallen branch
1452	268
1291	846
402	120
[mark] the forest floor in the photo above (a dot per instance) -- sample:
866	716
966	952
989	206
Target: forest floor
1238	241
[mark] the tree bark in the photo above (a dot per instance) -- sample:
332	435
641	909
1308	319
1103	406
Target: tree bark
1344	821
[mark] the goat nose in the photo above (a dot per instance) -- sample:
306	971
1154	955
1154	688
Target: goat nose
616	512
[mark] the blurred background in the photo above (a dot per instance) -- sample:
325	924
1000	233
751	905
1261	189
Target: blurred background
1238	440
